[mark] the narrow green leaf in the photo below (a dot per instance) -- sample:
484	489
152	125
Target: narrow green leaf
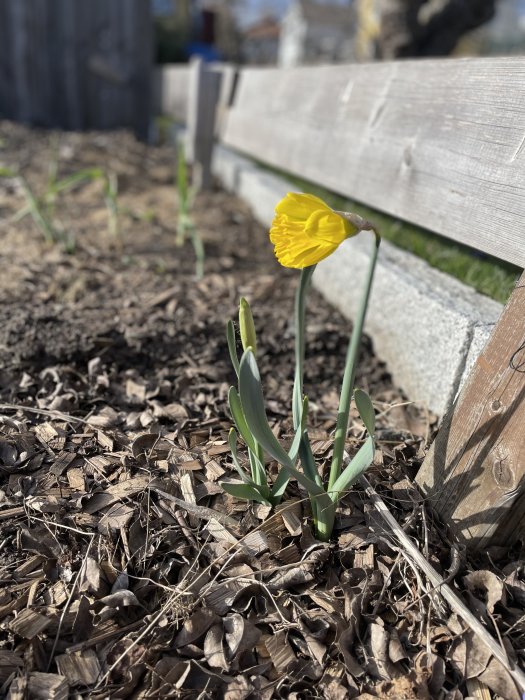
366	410
7	172
315	491
252	401
258	472
232	442
247	491
23	211
239	419
230	337
182	175
279	487
72	180
308	460
300	433
359	464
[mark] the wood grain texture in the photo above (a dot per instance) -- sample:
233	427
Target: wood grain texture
474	472
72	64
439	143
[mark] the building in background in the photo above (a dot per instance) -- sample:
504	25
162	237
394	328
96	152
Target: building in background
313	32
205	28
260	42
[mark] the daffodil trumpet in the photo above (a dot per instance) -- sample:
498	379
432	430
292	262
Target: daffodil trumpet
304	232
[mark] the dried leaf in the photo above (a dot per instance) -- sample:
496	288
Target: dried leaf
302	573
241	634
280	651
195	627
120	599
488	585
214	649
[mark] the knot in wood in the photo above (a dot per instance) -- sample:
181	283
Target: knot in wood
502	471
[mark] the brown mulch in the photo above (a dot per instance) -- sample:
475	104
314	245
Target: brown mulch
125	571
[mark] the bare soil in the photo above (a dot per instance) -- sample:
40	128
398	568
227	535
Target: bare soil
126	572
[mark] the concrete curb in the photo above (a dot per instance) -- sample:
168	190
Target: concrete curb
428	327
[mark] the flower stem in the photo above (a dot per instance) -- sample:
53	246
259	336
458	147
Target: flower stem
300	307
347	388
305	450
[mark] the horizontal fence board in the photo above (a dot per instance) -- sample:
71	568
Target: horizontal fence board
439	143
171	86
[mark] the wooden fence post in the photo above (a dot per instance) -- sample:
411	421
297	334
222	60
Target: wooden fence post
474	473
229	74
203	95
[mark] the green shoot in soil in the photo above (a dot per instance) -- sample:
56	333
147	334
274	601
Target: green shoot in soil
185	224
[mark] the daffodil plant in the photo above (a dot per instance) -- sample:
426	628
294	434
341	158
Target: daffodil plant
304	231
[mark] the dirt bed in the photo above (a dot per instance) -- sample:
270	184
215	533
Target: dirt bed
126	572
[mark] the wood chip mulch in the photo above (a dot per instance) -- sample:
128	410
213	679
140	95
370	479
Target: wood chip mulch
125	571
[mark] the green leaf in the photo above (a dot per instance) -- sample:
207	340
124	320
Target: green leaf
258	471
308	460
247	491
72	180
359	464
279	486
182	177
239	419
252	401
230	337
366	410
24	211
300	433
232	442
7	172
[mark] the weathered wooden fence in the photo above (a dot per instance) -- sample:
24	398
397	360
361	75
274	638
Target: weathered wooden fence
440	144
76	64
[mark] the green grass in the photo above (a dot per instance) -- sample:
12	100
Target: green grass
490	276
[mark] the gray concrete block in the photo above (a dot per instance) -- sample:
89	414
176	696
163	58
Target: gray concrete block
428	327
421	321
262	191
227	166
480	335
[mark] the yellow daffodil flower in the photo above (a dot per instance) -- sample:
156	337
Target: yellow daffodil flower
305	230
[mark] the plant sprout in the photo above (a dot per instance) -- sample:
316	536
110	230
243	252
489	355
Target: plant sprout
304	232
185	224
111	199
42	208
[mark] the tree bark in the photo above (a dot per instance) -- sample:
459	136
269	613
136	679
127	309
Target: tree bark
428	27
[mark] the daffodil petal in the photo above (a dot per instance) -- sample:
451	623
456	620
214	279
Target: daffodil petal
328	226
305	230
300	206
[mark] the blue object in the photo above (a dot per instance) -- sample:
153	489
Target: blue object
205	51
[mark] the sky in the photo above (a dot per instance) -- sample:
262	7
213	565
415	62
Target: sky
252	10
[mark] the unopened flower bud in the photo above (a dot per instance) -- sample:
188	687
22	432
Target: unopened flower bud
247	327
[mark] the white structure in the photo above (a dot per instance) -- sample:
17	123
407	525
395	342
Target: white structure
317	33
